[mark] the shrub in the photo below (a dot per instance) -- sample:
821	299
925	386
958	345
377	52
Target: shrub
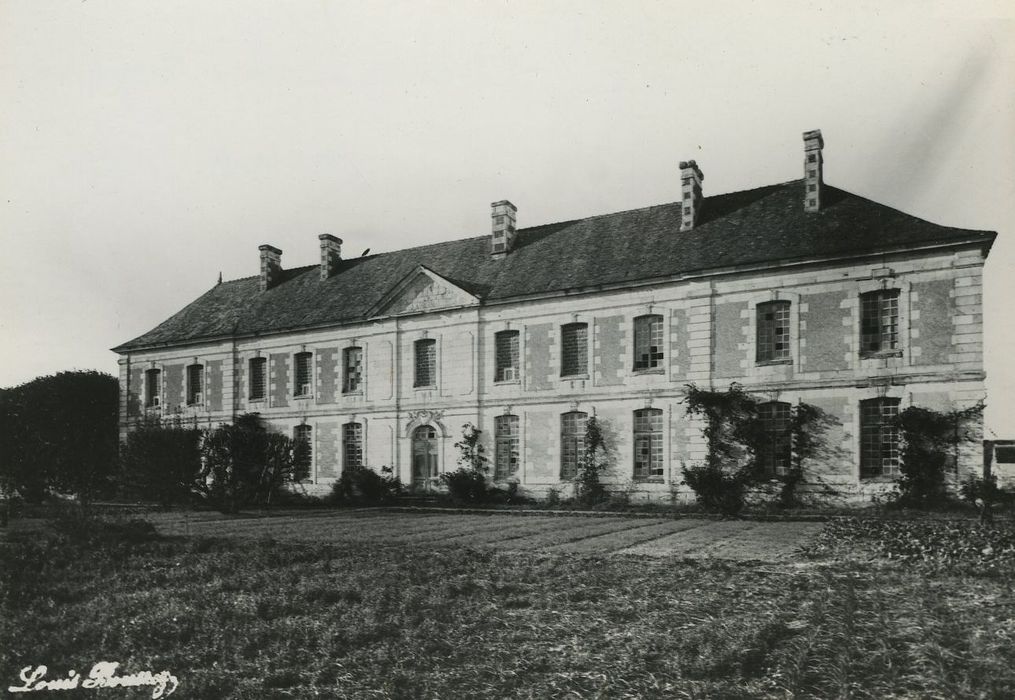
361	484
717	489
589	489
466	485
161	464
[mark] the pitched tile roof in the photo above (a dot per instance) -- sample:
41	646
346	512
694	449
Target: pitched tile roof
763	226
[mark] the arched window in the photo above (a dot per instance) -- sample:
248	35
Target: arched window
775	454
304	374
506	351
424	457
773	331
258	377
153	388
574	349
879	321
648	444
506	451
572	442
352	364
426	363
195	385
648	342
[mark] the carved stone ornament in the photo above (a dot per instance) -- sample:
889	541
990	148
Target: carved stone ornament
426	417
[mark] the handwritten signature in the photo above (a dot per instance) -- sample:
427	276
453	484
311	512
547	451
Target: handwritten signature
102	675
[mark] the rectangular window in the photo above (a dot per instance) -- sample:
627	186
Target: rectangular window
572	443
648	342
195	385
879	321
352	362
773	331
304	374
574	349
258	377
426	363
776	448
506	349
152	388
506	454
648	444
879	438
352	445
303	436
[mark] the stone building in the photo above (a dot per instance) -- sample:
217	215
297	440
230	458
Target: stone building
798	291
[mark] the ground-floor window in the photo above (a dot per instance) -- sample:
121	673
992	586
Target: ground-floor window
572	442
352	445
879	438
648	444
303	434
506	448
775	454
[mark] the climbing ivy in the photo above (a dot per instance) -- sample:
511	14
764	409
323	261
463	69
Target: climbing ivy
589	488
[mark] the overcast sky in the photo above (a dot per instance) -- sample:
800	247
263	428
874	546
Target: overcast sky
147	146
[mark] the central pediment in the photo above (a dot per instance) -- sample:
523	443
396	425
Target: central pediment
423	291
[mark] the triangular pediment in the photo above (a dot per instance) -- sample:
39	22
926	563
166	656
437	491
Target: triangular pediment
422	291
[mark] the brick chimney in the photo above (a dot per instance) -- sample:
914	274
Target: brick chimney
271	266
813	165
503	238
331	254
690	194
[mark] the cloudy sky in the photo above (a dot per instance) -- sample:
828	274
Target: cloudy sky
145	147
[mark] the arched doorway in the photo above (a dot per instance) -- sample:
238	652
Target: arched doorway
424	457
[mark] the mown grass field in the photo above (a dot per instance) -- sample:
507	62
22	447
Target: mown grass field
251	617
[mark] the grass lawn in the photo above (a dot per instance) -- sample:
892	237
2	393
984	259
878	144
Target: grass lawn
242	618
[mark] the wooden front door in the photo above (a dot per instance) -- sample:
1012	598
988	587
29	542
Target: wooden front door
424	457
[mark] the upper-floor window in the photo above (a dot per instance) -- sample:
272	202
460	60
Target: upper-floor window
426	363
195	385
879	438
775	454
352	445
648	342
506	351
304	374
574	349
648	443
773	331
352	363
505	429
258	367
879	321
152	388
572	442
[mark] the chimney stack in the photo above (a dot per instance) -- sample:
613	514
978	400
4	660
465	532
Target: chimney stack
331	254
271	266
691	196
503	238
813	165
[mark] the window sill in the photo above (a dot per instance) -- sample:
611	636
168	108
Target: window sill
774	363
357	392
651	370
506	382
257	399
195	405
573	377
303	397
648	480
880	354
877	479
428	387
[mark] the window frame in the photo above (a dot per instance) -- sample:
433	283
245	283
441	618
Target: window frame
576	439
767	332
880	440
347	388
195	397
655	361
431	344
309	440
347	443
261	365
514	356
776	456
303	390
655	437
566	371
507	446
153	389
872	323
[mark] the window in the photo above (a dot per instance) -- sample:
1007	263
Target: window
303	436
195	385
879	438
426	362
352	445
773	331
879	321
505	429
572	443
775	454
304	375
648	444
152	388
258	377
574	349
506	346
648	342
352	362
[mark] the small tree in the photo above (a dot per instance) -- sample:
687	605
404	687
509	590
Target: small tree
469	483
592	463
162	464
